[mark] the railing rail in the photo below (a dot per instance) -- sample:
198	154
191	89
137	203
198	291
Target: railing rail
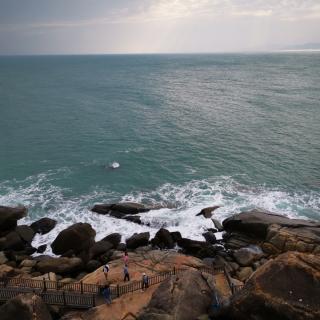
81	294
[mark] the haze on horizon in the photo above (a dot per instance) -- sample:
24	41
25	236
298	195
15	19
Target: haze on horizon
156	26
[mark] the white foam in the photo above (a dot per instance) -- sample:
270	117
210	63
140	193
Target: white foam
43	198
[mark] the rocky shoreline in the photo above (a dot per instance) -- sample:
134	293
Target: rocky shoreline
275	259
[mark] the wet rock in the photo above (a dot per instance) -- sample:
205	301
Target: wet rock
207	212
60	265
77	237
119	210
246	256
43	225
135	219
210	237
25	307
217	224
138	240
176	236
9	217
255	223
163	239
25	233
99	248
114	238
284	288
42	248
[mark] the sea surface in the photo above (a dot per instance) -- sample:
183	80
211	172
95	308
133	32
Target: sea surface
237	130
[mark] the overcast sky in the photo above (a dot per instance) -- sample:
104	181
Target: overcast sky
151	26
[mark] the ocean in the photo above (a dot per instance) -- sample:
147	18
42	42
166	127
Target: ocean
189	131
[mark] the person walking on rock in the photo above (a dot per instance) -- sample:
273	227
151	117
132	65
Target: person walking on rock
145	281
106	269
126	273
126	257
107	293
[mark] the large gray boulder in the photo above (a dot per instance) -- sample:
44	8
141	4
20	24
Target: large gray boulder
9	217
78	237
256	223
286	288
25	307
43	225
138	240
179	298
61	265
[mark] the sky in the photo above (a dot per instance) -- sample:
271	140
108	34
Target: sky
156	26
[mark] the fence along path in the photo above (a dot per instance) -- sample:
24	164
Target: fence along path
83	295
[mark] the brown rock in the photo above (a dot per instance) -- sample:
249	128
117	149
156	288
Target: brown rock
59	265
9	217
287	287
207	212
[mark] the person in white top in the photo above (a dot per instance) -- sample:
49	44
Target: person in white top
106	269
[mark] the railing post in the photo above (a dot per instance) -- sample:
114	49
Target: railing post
93	300
44	285
64	298
174	270
57	285
81	286
118	290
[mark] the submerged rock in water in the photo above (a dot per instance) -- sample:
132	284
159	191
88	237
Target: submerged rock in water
43	225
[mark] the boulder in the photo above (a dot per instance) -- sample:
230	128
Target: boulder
135	219
255	223
114	238
207	212
43	225
25	307
9	217
99	248
138	240
14	242
42	248
192	246
60	265
26	233
244	273
3	258
77	237
163	239
210	237
176	236
6	271
246	256
28	263
120	209
185	297
284	288
92	265
217	224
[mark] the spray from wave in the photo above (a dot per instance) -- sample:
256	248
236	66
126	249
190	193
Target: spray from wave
180	205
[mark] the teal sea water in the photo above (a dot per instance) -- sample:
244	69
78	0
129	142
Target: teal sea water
237	130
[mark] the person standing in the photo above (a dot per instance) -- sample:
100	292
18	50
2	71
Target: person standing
106	269
126	257
145	281
107	293
126	273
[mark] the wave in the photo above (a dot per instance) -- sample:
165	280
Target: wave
181	203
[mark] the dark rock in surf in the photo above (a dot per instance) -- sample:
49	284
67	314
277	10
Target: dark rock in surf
42	248
163	239
210	237
9	217
138	240
43	225
207	212
114	238
135	219
176	236
99	248
120	210
26	233
77	237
